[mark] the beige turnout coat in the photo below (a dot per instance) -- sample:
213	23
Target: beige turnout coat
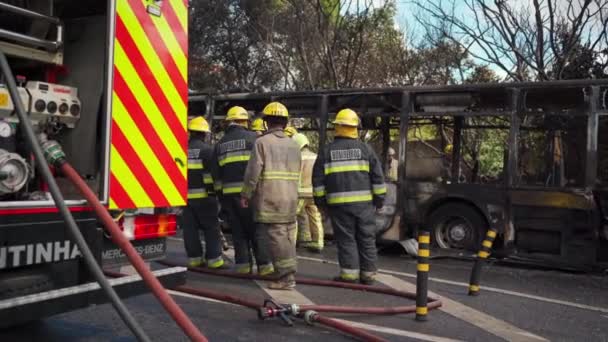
272	178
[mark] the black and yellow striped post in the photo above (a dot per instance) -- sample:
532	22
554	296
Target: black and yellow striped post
484	253
422	276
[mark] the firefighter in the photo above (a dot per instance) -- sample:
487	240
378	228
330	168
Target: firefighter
272	180
310	224
392	166
348	183
230	158
202	208
257	125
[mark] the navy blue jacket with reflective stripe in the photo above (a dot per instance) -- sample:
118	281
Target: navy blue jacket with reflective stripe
200	180
230	157
348	171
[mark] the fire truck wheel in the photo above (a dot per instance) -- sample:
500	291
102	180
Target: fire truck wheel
457	226
23	282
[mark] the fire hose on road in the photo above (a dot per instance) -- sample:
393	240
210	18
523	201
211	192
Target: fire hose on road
310	313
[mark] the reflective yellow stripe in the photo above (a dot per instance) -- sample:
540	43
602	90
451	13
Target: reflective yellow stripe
491	233
207	179
423	267
349	199
197	193
483	254
474	288
424	252
421	310
232	190
424	238
379	191
319	191
234	159
486	243
128	181
346	168
195	166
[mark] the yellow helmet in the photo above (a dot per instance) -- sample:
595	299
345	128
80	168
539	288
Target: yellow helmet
290	131
237	113
199	124
258	125
347	117
301	140
276	109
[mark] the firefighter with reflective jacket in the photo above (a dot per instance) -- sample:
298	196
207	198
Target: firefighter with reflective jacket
271	184
257	125
310	223
230	157
201	211
348	182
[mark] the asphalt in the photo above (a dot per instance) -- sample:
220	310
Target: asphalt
554	305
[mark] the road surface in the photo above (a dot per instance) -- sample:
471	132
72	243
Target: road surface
516	304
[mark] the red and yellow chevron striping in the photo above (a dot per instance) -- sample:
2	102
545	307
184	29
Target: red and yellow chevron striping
149	106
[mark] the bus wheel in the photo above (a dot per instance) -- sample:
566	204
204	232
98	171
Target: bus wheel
457	226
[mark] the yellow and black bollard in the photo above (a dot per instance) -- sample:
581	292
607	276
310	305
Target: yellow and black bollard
484	253
422	276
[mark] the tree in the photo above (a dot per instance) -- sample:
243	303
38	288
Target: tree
224	53
532	41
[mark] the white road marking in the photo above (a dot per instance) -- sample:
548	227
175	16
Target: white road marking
484	321
205	299
484	288
295	297
397	332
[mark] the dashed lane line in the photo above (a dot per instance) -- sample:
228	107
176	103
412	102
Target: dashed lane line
481	320
489	289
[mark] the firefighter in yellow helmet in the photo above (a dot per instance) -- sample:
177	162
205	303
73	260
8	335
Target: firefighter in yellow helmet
257	125
230	158
348	182
201	210
310	223
272	180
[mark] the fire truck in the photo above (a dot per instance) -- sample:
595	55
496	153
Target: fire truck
107	80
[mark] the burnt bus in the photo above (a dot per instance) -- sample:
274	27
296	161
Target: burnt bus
527	159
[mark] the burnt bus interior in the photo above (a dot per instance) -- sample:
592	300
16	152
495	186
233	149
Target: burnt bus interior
59	50
528	159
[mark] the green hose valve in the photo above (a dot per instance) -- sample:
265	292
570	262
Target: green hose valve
53	152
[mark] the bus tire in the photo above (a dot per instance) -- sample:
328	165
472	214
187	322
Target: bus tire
457	226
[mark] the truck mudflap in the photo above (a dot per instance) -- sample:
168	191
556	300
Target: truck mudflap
18	310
